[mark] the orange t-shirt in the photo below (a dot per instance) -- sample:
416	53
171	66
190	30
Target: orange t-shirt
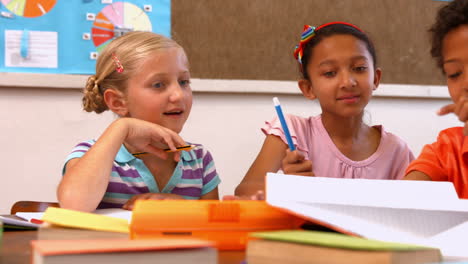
446	160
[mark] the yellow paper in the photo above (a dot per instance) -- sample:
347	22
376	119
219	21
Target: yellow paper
76	219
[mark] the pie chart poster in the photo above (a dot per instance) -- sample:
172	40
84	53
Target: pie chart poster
66	36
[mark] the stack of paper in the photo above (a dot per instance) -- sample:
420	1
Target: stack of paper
417	212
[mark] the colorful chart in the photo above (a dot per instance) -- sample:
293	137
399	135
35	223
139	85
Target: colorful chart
82	29
29	8
115	20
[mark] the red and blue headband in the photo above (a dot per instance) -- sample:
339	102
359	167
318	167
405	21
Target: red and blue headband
309	32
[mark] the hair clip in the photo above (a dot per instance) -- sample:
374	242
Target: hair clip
308	32
118	66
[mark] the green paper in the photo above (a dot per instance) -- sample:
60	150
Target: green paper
334	240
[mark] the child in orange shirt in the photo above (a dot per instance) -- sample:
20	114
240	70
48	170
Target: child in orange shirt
447	158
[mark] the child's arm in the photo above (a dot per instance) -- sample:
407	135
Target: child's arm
268	160
417	176
460	109
86	178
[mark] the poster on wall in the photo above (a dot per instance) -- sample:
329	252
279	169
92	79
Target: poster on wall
66	36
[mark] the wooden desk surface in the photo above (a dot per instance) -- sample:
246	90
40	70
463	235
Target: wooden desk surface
16	249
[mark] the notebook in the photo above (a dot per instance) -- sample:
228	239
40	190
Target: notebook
313	247
120	251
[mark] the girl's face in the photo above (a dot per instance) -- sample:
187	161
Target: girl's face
160	91
342	76
455	64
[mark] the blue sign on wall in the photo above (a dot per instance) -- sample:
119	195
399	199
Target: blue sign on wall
65	36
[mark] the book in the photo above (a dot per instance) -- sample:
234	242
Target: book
120	251
417	212
33	221
313	247
13	223
54	232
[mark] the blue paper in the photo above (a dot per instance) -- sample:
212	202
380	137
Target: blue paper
24	46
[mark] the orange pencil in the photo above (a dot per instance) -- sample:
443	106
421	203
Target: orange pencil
186	147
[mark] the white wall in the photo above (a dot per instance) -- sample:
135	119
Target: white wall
39	126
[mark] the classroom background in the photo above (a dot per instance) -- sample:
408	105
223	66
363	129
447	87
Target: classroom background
239	64
42	120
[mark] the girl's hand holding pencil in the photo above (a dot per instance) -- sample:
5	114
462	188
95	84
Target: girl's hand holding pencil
149	138
186	148
295	163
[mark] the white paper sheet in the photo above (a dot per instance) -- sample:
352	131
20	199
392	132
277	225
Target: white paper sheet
418	212
17	222
42	49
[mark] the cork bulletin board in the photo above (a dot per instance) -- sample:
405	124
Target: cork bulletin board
254	39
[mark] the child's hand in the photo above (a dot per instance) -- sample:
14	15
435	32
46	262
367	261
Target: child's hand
259	195
460	108
150	196
152	138
296	164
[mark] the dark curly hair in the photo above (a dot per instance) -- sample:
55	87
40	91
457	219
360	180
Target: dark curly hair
448	18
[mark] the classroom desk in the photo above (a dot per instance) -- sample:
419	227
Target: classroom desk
16	249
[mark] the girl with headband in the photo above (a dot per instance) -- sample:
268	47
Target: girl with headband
144	79
339	69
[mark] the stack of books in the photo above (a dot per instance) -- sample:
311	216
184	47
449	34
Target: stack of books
123	251
314	247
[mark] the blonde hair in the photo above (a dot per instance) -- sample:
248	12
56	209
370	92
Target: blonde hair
130	49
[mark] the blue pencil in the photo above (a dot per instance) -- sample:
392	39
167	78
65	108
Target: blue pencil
283	123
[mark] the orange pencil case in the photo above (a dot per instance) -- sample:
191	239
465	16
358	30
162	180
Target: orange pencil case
227	223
